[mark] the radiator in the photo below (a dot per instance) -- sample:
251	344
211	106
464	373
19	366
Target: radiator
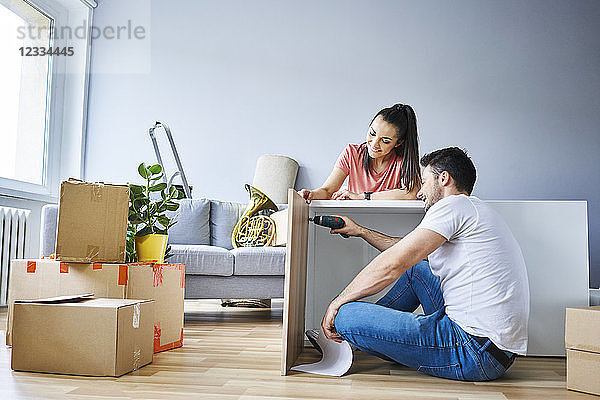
13	242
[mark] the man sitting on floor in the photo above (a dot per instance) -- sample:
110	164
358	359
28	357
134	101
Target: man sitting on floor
473	288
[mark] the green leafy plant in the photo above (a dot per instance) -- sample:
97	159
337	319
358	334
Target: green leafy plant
148	205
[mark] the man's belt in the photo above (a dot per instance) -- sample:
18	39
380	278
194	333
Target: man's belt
494	351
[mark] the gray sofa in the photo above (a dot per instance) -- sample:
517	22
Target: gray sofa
201	239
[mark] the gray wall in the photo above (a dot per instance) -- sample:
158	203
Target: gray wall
517	83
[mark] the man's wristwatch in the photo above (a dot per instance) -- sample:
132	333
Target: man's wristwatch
368	195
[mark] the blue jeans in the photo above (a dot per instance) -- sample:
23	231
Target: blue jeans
431	343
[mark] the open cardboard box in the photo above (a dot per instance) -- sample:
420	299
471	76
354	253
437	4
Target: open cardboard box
80	335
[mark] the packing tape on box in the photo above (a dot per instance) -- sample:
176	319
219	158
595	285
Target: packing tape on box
92	251
157	275
137	355
157	333
136	316
64	268
178	266
182	282
168	346
135	322
96	192
31	267
122	274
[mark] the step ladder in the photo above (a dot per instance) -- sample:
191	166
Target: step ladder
158	124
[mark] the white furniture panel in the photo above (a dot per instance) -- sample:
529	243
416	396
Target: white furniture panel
553	236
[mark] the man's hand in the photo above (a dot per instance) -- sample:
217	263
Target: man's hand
345	194
328	322
351	228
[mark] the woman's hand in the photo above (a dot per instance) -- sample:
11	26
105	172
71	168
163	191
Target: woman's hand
345	194
306	195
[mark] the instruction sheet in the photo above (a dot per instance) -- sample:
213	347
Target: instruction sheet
336	361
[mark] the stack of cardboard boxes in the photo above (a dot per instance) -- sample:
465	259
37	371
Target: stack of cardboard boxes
582	341
137	310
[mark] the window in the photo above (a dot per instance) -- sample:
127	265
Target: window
25	93
42	97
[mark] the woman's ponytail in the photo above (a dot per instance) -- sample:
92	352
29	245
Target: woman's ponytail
409	151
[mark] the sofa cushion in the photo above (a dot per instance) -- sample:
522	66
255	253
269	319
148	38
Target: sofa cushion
223	217
203	259
192	225
259	261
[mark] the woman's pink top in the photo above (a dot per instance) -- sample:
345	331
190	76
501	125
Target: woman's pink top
359	180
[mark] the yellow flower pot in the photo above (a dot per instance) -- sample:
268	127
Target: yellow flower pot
151	248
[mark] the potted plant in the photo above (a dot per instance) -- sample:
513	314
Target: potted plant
148	224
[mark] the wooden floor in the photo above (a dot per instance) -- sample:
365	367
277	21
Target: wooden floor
234	354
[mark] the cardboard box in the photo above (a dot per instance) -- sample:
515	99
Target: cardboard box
582	341
97	337
583	371
92	222
163	283
582	328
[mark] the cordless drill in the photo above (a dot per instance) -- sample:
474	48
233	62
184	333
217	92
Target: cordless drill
330	221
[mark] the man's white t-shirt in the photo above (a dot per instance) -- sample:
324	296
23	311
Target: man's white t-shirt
481	270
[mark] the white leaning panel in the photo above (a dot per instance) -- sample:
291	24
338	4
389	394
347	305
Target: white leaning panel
553	236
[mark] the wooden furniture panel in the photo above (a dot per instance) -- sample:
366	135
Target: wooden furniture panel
295	281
